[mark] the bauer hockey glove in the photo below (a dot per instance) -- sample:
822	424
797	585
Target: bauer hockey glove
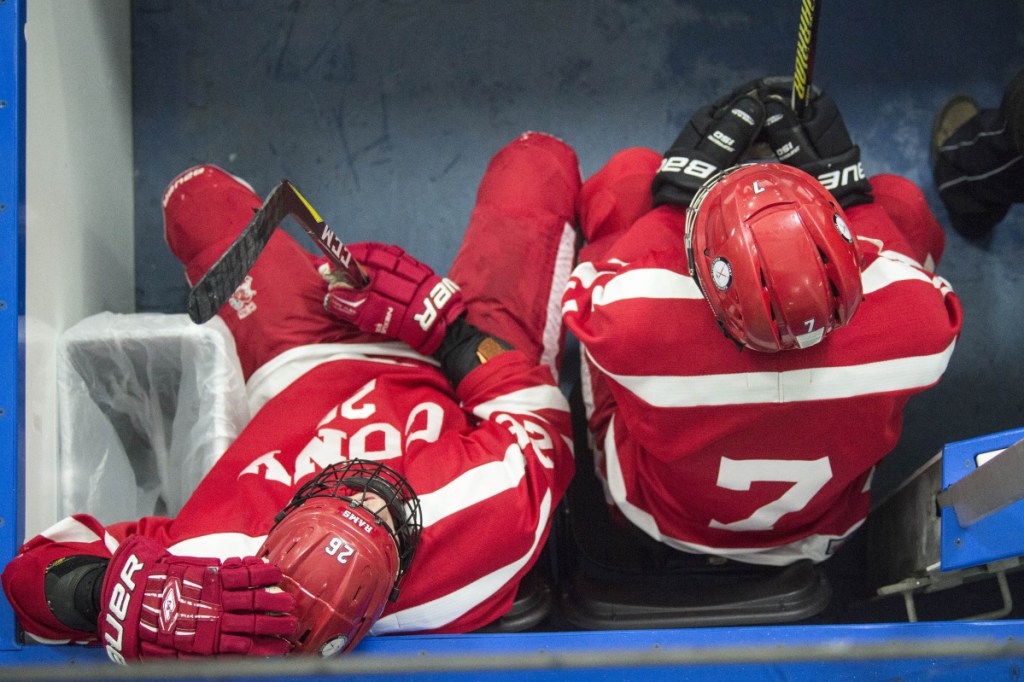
404	299
156	604
819	144
716	138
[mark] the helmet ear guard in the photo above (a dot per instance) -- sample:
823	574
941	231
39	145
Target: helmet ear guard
343	543
774	256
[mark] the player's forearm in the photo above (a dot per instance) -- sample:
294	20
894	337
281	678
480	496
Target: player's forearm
55	592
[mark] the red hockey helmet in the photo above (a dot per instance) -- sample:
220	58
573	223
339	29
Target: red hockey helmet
773	253
343	544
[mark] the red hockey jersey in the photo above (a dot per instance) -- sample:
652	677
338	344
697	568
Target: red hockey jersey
760	457
489	463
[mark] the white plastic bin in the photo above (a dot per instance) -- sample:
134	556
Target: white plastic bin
147	403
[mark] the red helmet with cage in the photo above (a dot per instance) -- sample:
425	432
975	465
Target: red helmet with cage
773	254
343	544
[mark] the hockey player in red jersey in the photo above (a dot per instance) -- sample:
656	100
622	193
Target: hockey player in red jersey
750	342
387	422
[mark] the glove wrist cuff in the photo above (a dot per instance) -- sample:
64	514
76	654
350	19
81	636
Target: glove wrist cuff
121	602
464	348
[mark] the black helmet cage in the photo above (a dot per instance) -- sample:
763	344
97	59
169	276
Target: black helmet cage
349	479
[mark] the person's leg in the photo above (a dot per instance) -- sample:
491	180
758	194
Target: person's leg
280	304
614	197
979	168
520	245
979	174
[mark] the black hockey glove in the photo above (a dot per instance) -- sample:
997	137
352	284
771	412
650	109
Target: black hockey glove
819	144
715	138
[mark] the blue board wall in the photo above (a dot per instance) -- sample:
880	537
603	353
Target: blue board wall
12	291
386	113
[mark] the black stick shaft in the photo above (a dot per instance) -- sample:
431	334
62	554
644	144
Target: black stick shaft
216	287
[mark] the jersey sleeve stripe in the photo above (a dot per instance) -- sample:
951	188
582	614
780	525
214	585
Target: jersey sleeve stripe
646	283
70	529
819	383
474	486
584	276
885	271
655	283
525	401
219	545
552	335
444	610
281	371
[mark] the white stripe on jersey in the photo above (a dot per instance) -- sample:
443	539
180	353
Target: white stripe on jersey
586	273
552	333
641	283
525	401
444	610
476	485
279	372
219	545
821	383
818	383
70	529
890	269
654	283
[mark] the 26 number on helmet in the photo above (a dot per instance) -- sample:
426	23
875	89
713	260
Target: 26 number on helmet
339	549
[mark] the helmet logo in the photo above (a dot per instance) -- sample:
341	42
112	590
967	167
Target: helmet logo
842	227
357	521
334	646
721	273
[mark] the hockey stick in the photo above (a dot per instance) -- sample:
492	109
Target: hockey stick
323	236
215	287
806	41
